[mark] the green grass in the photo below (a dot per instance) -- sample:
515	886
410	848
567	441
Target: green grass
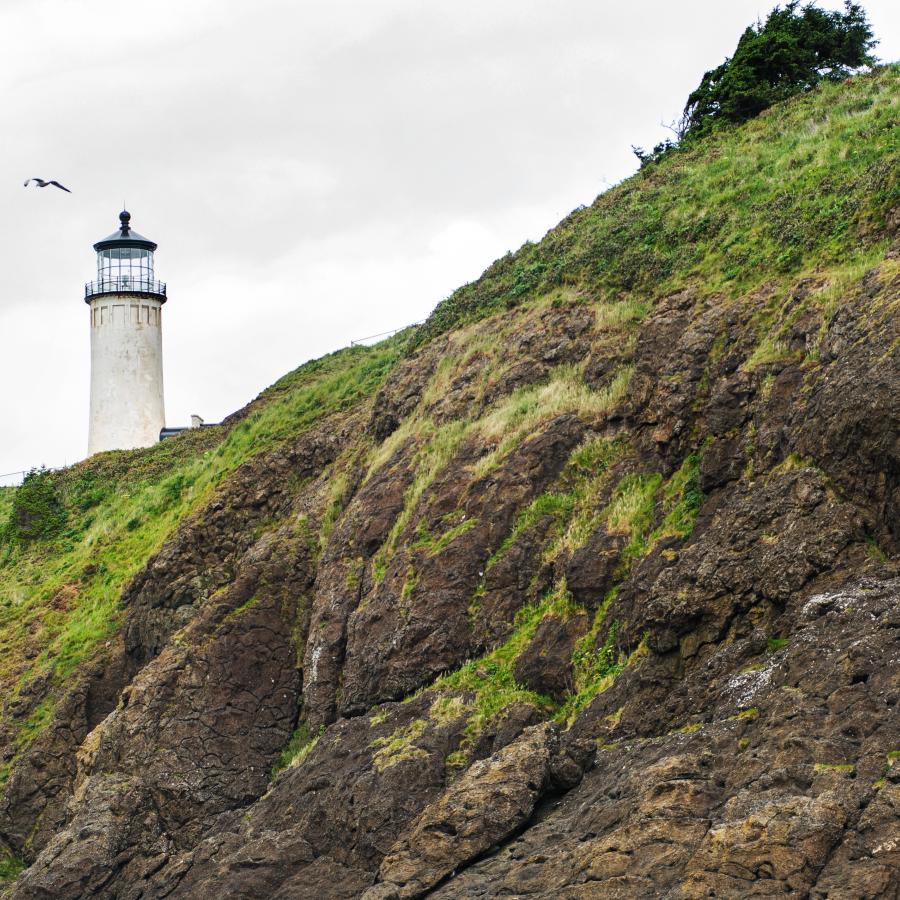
595	668
490	679
399	746
769	350
808	184
337	490
557	506
571	505
446	710
681	501
10	866
409	585
582	482
438	446
435	544
299	747
518	416
690	728
509	422
874	550
631	512
775	644
636	503
618	315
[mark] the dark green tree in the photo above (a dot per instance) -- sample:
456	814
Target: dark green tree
796	48
37	511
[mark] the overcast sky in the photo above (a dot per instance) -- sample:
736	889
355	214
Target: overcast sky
312	172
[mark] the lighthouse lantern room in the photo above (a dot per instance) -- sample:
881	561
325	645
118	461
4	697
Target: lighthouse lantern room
126	303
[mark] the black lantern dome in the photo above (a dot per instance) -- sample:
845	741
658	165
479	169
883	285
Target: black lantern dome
125	236
125	264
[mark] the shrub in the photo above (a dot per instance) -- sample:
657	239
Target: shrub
37	510
792	52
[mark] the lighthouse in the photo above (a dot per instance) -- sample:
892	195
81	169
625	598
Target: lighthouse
126	304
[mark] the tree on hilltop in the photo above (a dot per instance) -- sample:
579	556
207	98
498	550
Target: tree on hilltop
794	50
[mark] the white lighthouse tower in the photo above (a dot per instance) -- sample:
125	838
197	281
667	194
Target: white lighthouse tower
126	343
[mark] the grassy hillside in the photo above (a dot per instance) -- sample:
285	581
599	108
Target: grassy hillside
805	188
806	185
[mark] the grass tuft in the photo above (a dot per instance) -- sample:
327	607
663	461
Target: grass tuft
301	743
399	746
490	679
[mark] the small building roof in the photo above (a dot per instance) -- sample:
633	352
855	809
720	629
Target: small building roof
125	236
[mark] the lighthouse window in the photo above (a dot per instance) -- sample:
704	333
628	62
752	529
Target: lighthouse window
125	267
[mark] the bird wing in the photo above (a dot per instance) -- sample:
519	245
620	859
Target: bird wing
57	184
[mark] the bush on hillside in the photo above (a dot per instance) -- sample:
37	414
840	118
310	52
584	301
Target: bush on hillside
37	511
796	49
657	153
792	52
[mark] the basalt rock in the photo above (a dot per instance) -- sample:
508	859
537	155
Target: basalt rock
489	802
545	665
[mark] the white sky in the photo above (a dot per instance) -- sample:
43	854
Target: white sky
313	173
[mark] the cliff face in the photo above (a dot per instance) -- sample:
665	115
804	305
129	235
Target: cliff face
588	589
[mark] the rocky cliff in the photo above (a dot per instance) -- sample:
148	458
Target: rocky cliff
587	588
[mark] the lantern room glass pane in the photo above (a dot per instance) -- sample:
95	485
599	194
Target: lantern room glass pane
125	268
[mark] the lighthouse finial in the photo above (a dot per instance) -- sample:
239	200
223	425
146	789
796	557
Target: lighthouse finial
125	219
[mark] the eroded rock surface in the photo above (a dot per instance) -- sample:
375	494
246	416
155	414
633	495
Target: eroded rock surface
495	797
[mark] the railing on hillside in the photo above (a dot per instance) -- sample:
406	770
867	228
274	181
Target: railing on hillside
13	479
384	334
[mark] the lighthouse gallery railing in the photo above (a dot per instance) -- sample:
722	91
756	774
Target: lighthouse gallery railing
124	285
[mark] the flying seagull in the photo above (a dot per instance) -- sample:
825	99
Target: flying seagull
41	183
